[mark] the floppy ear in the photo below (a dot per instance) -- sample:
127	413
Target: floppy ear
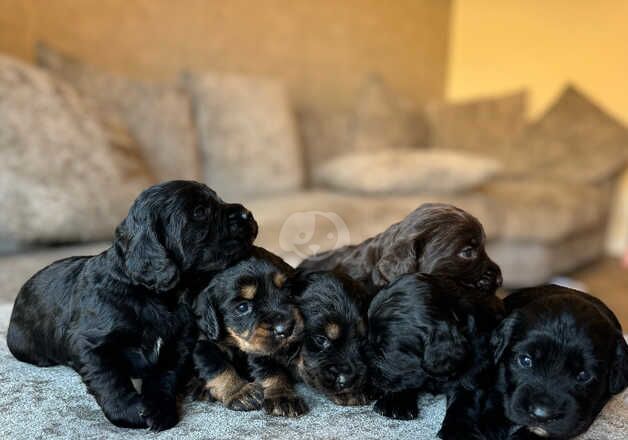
399	259
206	316
297	281
502	336
618	375
145	258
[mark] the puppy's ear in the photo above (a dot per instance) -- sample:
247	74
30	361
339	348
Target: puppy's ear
502	336
618	375
397	260
298	281
145	258
206	316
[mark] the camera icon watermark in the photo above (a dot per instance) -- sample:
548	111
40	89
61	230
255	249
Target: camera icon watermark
306	234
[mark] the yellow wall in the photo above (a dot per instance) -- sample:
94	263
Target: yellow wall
502	45
323	49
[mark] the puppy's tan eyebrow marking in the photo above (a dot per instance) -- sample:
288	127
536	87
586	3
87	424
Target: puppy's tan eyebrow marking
248	291
332	330
279	279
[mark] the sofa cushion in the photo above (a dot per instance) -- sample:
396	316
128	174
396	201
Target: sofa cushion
380	120
30	403
527	263
543	209
406	171
575	140
247	134
58	177
158	116
485	125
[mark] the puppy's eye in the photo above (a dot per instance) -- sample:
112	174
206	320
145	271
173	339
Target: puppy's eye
583	377
322	341
468	253
200	212
244	307
524	360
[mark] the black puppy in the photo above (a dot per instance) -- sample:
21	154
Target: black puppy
117	315
435	238
245	310
427	334
329	358
560	355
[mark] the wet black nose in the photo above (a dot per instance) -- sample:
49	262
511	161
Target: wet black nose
344	376
283	329
541	413
491	279
240	220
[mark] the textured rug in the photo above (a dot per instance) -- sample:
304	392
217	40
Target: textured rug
52	403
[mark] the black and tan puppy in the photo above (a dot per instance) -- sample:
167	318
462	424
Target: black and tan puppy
330	356
117	315
428	334
246	310
435	238
559	357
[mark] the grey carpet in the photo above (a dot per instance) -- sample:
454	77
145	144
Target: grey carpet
52	403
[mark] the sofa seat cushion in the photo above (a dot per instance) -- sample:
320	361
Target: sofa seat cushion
519	219
52	402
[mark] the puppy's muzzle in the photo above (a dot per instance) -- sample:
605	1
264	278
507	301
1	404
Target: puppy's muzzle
241	222
491	279
344	376
284	329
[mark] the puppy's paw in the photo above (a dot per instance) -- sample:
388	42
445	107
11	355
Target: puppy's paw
248	398
161	416
351	399
288	405
129	416
400	409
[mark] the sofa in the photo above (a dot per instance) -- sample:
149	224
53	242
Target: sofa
77	145
545	207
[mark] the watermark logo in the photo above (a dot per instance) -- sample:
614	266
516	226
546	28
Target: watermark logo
305	234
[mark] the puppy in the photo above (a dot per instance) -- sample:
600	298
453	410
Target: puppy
427	334
117	315
559	357
435	238
329	357
245	310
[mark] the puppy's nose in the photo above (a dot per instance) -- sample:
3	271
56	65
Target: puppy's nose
344	376
283	329
540	412
342	380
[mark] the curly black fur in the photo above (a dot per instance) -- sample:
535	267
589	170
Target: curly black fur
118	314
428	334
559	356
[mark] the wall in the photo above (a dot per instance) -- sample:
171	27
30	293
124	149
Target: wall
503	45
323	49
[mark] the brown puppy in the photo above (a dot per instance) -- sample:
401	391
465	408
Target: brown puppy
436	238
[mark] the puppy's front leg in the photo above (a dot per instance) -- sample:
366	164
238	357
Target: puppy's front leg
102	373
402	405
280	398
222	382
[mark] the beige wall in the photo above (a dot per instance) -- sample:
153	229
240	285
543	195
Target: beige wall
503	45
322	48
